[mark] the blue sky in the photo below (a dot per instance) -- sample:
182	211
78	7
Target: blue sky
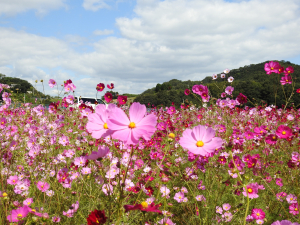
137	44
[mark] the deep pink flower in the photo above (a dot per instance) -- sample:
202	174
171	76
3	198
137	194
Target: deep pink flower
241	98
198	89
131	129
97	122
18	214
294	208
52	83
200	141
289	70
271	139
252	190
187	92
286	80
279	182
258	214
122	99
171	110
43	186
272	67
100	87
108	97
284	132
111	86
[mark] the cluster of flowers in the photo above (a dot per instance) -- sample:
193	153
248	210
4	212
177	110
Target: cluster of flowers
275	67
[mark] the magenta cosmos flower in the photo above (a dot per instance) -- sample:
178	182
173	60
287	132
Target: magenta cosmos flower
97	121
130	130
284	132
258	214
18	214
272	67
200	140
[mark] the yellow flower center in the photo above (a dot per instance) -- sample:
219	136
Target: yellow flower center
4	194
249	190
283	132
144	204
171	135
131	125
105	126
199	143
257	214
20	215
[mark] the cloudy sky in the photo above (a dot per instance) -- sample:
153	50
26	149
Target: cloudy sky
136	44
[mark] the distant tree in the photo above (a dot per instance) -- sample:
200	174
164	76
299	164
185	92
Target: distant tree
158	88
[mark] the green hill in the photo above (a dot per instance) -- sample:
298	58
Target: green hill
250	80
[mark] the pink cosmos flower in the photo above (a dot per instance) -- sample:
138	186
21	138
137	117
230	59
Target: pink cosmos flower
52	83
291	198
13	180
284	132
97	122
294	208
289	70
122	99
28	201
271	139
258	214
111	86
252	190
64	140
286	80
171	110
241	98
284	222
200	140
80	161
108	97
179	197
230	79
187	92
18	214
131	129
166	221
279	182
102	151
272	67
55	219
219	210
43	186
100	87
226	206
70	87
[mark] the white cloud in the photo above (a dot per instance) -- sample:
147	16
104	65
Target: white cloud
94	5
12	7
103	32
165	40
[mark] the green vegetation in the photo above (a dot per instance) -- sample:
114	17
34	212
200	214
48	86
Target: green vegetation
250	80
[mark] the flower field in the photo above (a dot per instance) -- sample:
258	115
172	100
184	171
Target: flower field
123	164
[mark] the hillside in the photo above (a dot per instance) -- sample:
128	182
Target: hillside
251	80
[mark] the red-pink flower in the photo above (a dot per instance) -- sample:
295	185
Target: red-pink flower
284	132
171	110
271	139
111	86
100	87
200	140
122	99
241	98
108	97
131	129
272	67
43	186
187	91
252	190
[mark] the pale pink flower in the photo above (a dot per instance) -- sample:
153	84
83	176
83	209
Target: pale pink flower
131	129
179	197
200	140
52	83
